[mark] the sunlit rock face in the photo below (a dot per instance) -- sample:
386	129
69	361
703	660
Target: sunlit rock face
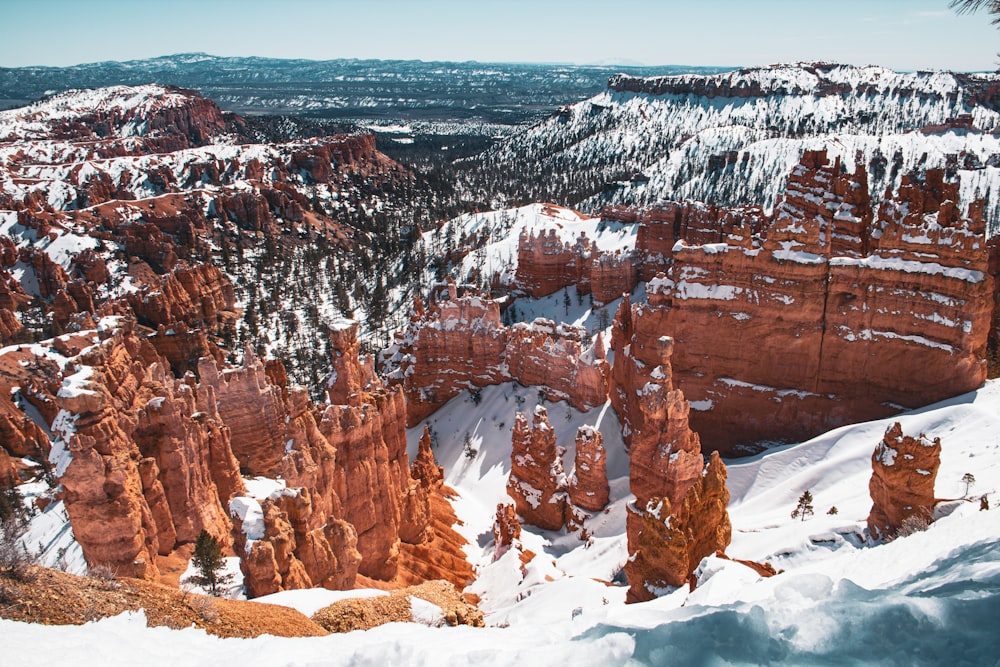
904	470
805	320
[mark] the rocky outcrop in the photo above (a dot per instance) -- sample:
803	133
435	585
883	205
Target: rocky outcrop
546	264
150	462
537	482
560	360
10	327
425	469
166	118
459	343
679	514
588	484
816	317
667	542
904	470
196	296
253	410
506	529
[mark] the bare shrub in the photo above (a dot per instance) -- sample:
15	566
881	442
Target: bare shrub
915	523
15	560
205	607
104	577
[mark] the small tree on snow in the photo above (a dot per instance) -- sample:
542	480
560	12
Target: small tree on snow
969	480
805	506
210	563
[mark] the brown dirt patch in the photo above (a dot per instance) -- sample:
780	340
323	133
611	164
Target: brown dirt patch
363	614
51	597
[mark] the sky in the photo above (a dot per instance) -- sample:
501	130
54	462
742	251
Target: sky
900	34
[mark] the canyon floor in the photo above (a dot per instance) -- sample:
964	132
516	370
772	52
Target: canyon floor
925	598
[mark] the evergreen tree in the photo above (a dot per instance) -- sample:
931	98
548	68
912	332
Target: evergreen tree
210	563
991	7
805	506
969	480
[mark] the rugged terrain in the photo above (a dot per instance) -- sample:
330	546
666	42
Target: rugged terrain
734	138
557	379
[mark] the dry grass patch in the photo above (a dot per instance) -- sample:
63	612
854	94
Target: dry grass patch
366	613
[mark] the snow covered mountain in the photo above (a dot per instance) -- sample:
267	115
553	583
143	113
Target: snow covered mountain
733	138
143	224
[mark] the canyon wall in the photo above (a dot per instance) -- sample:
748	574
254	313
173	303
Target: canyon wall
459	343
791	323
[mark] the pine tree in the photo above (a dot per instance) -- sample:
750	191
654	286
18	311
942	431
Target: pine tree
965	6
970	481
805	506
210	563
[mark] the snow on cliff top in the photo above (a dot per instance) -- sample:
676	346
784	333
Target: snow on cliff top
32	121
811	78
499	232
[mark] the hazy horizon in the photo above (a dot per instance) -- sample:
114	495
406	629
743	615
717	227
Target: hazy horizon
899	34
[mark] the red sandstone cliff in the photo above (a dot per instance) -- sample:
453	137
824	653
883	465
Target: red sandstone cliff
459	343
816	310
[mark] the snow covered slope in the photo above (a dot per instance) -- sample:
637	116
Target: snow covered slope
733	138
929	598
486	243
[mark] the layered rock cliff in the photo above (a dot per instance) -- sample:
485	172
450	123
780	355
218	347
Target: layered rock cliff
816	308
459	343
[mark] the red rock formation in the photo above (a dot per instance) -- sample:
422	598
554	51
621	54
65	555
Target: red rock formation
371	450
667	542
424	469
546	264
556	359
612	275
679	514
252	409
349	375
537	482
182	347
459	344
506	529
816	318
993	249
588	485
10	327
904	470
151	463
198	296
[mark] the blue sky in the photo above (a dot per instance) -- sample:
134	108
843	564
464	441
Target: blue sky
902	34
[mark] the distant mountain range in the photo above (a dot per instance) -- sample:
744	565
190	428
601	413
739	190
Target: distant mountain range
344	89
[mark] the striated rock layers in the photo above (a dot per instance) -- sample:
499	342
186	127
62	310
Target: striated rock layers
459	343
545	264
817	312
679	515
904	470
